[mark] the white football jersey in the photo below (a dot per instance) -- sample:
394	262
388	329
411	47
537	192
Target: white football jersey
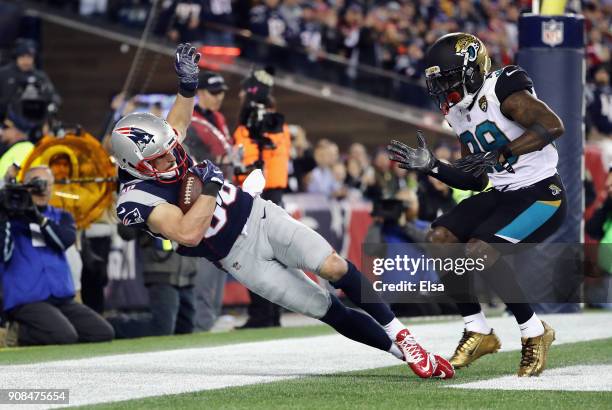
483	127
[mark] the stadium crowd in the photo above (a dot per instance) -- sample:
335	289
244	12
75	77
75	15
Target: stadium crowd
390	36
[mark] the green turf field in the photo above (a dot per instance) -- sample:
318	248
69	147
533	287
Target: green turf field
382	388
393	388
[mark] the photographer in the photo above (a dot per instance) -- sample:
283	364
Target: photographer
396	231
37	283
26	90
267	144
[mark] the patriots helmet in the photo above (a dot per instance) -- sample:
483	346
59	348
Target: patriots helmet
456	66
139	138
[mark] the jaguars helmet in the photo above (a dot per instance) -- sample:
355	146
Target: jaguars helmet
456	66
140	138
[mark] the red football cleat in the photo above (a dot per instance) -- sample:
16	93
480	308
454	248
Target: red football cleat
417	358
443	368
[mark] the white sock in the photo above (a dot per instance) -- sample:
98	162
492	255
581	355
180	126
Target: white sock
395	351
477	323
393	328
532	328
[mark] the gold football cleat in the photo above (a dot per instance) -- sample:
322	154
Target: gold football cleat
535	352
472	346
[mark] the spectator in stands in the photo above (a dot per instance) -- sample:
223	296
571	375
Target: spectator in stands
599	108
21	75
435	198
385	183
216	14
322	179
37	282
182	21
302	159
306	42
169	278
267	22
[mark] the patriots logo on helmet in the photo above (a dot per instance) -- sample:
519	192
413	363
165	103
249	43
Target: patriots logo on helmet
138	135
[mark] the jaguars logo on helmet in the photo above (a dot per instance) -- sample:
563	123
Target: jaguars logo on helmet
456	65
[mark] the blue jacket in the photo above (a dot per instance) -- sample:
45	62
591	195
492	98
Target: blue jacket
35	266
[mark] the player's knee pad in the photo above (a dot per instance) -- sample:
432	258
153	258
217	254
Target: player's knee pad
479	249
440	234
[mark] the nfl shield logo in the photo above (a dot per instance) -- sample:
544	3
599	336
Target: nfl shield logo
552	32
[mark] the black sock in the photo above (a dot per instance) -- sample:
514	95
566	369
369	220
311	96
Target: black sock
468	309
459	289
359	290
502	279
356	325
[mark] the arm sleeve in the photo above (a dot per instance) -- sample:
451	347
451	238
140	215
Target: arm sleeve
62	234
134	207
512	79
457	178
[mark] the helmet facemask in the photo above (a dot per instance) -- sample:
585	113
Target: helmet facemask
172	174
447	87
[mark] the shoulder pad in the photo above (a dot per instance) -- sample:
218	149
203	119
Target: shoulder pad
511	79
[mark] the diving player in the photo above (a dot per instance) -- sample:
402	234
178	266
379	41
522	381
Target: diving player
256	241
506	136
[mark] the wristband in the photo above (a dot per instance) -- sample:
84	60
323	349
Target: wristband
187	93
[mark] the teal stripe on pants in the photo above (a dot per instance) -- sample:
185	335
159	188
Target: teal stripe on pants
529	221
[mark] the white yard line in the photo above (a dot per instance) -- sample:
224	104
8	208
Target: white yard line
572	378
137	375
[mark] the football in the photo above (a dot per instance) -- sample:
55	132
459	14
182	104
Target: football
191	189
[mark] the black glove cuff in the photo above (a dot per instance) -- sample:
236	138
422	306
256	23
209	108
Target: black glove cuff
211	189
187	93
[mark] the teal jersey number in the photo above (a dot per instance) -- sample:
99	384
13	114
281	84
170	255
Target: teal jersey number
488	138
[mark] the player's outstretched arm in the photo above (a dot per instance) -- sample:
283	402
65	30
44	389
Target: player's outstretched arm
186	229
422	159
186	66
542	125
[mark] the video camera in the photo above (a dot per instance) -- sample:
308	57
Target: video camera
16	199
260	121
33	104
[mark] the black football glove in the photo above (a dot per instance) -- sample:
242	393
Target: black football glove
481	162
208	172
420	158
186	66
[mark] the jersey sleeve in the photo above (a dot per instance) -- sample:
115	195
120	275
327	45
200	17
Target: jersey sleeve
134	207
512	79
